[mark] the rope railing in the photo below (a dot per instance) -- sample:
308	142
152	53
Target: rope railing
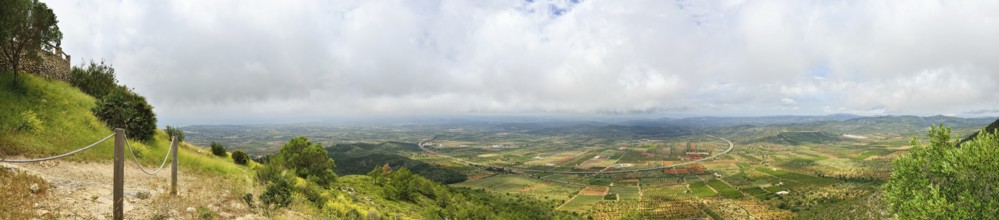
58	156
136	159
118	182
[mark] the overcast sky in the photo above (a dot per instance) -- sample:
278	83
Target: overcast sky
207	62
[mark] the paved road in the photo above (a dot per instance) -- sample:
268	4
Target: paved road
516	169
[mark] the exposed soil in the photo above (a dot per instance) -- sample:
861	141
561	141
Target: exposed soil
82	190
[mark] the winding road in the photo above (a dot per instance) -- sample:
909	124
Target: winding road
424	144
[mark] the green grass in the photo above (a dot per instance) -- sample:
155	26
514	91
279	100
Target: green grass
796	177
517	184
582	203
610	196
701	189
814	156
724	189
66	121
756	192
502	183
68	124
625	192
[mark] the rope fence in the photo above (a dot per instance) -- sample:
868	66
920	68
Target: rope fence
120	142
136	159
58	156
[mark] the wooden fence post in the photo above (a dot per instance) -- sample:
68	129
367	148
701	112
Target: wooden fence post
119	173
173	167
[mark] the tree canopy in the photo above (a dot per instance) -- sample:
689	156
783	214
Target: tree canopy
308	159
26	26
95	79
940	181
125	109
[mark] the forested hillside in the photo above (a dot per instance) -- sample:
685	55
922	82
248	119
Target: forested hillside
359	158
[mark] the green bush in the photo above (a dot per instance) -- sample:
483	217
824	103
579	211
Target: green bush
29	122
205	213
240	158
278	193
175	132
309	160
940	181
248	198
125	109
218	149
97	80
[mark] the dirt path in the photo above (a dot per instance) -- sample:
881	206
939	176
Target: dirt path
81	190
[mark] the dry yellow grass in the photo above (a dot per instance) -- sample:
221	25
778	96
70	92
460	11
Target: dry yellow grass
17	198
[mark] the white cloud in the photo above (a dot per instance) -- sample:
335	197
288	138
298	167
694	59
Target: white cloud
288	59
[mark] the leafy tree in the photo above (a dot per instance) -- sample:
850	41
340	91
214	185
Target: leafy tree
218	149
240	158
125	109
26	26
97	80
309	160
175	132
940	181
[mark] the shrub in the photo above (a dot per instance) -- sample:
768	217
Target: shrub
218	149
97	80
248	198
205	213
29	122
175	132
940	181
278	193
240	158
125	109
270	171
309	160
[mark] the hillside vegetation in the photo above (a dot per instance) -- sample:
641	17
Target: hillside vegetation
940	181
64	123
359	158
52	117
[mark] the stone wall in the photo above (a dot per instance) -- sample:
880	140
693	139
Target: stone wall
52	65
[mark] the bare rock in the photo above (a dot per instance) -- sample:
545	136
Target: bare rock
34	188
191	210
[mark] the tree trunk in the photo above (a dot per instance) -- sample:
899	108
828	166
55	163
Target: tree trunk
14	82
17	65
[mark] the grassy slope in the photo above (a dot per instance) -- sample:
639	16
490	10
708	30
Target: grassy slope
66	120
67	124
